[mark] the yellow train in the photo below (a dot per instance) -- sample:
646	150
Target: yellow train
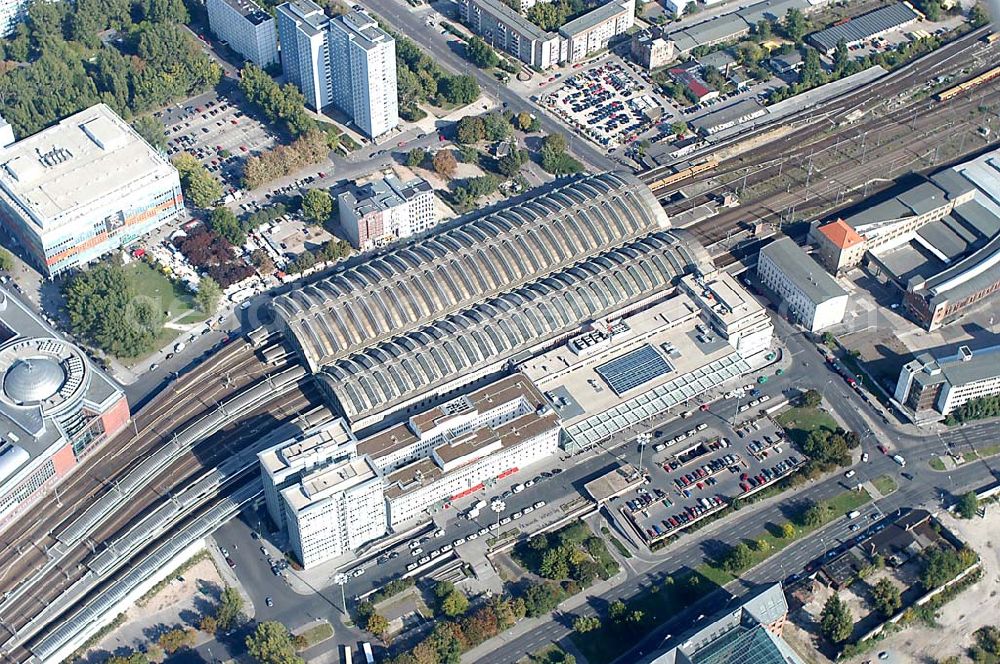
684	174
956	90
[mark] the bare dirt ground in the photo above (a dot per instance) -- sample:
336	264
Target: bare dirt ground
180	603
977	606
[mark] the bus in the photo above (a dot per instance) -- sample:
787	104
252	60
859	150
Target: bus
367	649
347	654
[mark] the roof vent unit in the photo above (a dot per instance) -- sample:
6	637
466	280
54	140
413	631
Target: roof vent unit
964	353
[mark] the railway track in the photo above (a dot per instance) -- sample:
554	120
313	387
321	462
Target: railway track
185	470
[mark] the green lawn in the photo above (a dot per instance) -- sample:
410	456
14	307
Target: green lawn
550	654
936	463
171	298
885	484
800	422
317	633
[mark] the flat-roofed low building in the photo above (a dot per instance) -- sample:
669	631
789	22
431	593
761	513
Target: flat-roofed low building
740	113
284	464
82	188
815	299
732	311
862	28
931	388
461	446
334	510
250	30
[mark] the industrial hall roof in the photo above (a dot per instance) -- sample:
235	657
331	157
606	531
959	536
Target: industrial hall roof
494	330
419	281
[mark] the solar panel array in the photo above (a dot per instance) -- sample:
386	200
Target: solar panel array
633	369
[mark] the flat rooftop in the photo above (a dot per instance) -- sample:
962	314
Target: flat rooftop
802	270
328	437
90	156
513	19
321	484
590	408
593	18
250	10
505	390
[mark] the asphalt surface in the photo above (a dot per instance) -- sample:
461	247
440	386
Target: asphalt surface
411	23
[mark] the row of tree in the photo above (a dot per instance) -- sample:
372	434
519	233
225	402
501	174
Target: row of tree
200	188
975	409
156	61
419	80
282	104
285	160
329	251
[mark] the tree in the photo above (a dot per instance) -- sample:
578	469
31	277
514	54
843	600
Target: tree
6	260
224	223
978	17
679	128
200	188
455	604
415	157
480	53
836	622
617	610
104	309
208	625
462	89
445	163
787	530
841	57
496	126
763	30
795	25
584	624
811	398
230	608
151	130
886	597
814	515
317	205
554	157
524	120
942	565
262	261
377	624
968	505
271	643
510	164
762	545
738	559
470	129
555	563
176	639
131	658
208	294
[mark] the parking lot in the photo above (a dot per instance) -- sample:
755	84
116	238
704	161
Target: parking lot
700	471
218	133
608	103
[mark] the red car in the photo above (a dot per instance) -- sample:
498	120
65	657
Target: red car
883	449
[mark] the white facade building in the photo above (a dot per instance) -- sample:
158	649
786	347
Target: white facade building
363	59
250	30
731	311
284	464
594	30
930	388
334	510
305	53
83	187
386	210
346	61
808	291
455	449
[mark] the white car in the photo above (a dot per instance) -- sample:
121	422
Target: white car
439	532
529	509
472	536
460	541
358	572
416	552
539	504
483	531
864	457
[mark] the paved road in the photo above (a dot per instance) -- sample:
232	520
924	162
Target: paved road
411	23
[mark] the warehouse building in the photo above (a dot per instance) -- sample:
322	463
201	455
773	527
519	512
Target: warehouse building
808	293
384	211
250	30
930	388
735	25
55	408
863	28
84	187
938	242
734	115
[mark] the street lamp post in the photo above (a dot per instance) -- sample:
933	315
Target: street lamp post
341	580
498	506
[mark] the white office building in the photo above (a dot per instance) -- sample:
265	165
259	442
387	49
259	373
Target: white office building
462	446
250	30
305	53
334	510
12	12
83	187
810	294
346	61
384	211
284	464
731	311
930	388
